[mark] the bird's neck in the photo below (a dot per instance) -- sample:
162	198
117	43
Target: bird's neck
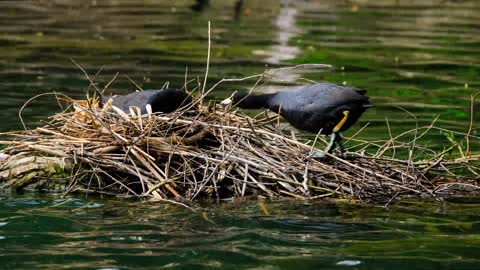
246	101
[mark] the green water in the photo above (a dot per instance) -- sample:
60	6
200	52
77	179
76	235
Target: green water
420	56
46	232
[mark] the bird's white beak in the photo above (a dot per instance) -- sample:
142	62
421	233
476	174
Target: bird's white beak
226	102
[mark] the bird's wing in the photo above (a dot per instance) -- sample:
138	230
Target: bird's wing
318	98
311	95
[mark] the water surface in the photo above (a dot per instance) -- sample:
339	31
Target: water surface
47	232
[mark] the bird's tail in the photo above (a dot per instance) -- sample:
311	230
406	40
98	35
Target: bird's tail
360	91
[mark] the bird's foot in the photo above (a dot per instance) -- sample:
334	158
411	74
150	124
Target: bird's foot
321	154
317	154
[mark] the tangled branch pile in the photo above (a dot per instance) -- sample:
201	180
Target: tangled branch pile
207	152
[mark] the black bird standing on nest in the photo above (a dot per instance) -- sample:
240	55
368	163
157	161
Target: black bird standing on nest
153	101
324	108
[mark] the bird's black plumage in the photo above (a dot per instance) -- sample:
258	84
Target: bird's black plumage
313	108
164	101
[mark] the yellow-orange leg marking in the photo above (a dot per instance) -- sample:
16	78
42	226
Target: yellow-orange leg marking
342	122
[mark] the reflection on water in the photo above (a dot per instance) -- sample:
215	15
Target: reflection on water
286	29
47	232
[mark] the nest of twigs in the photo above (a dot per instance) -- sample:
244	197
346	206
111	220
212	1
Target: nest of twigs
209	152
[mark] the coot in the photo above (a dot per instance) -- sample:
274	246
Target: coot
323	107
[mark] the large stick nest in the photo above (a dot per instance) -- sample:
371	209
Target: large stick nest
212	152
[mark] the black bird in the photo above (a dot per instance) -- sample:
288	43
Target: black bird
152	101
323	107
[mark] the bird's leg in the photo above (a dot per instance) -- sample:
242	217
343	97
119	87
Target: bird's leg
338	142
331	144
341	122
321	154
335	138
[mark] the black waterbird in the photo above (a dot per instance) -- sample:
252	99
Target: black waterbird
324	108
153	101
